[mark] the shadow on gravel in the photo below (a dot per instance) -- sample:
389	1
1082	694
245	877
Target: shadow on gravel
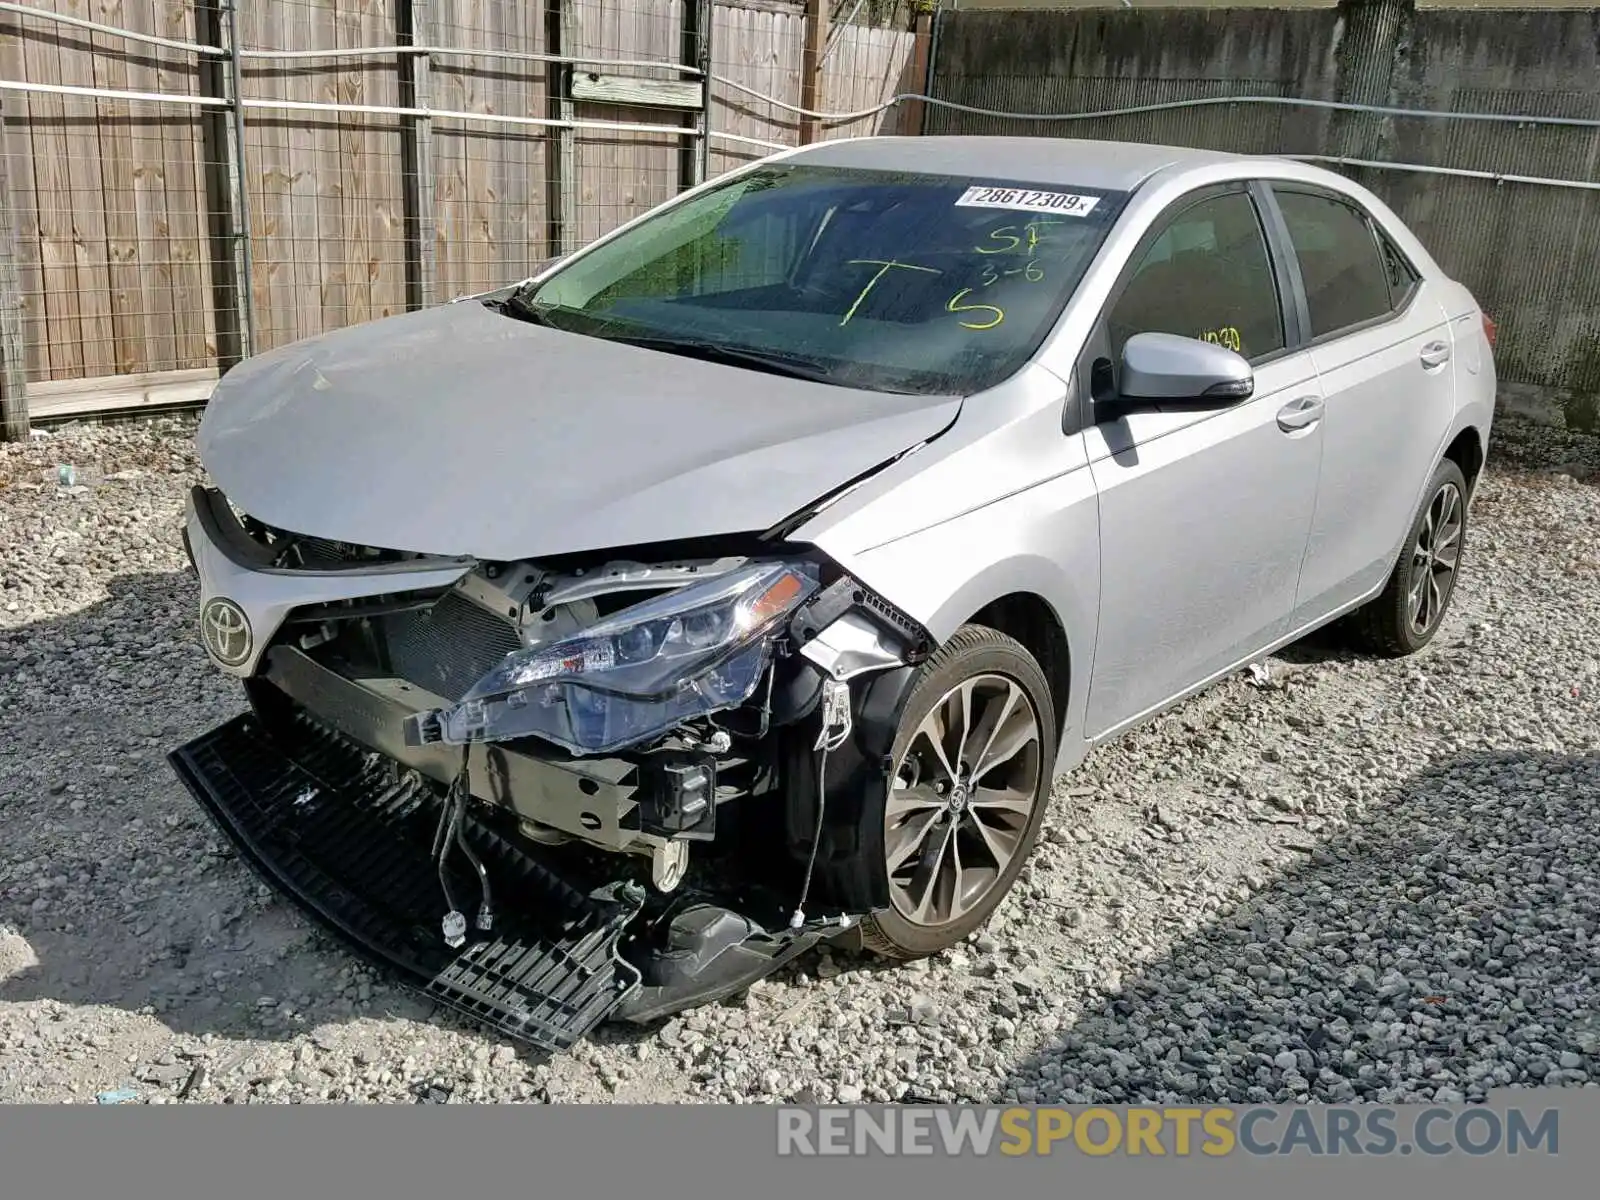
122	891
1447	945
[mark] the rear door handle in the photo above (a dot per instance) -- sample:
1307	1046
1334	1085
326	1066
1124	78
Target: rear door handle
1300	414
1435	354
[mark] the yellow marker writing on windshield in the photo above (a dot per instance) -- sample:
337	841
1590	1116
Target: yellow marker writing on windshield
1031	271
1033	228
1010	240
1007	235
956	306
884	265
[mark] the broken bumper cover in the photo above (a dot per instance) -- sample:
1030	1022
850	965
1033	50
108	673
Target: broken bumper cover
348	838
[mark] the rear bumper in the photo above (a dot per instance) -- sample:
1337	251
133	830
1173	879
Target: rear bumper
349	838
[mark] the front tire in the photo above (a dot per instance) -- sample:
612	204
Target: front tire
1406	615
974	758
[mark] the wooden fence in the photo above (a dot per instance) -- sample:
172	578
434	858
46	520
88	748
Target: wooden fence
382	154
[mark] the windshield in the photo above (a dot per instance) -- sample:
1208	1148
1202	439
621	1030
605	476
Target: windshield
872	279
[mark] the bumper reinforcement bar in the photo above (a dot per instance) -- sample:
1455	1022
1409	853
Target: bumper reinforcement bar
348	838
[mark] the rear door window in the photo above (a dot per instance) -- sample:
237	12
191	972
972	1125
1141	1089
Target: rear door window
1347	281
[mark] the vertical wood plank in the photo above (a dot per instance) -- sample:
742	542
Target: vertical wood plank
816	37
415	29
204	328
566	172
303	241
333	304
110	71
621	175
13	373
384	137
534	246
151	215
445	83
761	49
390	286
85	182
915	112
25	208
268	182
57	260
352	167
478	149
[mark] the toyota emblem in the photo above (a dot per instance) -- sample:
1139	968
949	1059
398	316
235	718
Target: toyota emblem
225	630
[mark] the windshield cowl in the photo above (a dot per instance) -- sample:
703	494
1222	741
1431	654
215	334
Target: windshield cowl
571	320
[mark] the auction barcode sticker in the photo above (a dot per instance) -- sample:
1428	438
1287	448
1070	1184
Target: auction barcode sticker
1028	200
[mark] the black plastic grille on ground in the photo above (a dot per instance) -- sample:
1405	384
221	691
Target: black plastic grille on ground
514	986
333	827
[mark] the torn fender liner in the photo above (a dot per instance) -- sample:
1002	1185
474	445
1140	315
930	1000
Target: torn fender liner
332	827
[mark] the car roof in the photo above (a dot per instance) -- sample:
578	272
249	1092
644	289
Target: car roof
1077	162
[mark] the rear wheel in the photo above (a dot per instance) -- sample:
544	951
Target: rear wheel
974	757
1404	617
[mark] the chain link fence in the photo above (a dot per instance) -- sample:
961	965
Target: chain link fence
187	184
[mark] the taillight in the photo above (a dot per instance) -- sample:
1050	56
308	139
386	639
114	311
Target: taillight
1490	329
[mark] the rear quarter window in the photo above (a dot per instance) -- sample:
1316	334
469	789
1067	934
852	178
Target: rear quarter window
1403	277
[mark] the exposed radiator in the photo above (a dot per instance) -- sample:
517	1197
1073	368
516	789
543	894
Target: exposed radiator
449	647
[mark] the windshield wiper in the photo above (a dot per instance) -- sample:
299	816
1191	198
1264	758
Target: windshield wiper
518	305
774	362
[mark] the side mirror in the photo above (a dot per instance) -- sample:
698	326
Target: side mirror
1163	370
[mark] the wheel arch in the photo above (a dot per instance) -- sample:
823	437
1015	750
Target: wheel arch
1467	451
1046	606
1032	620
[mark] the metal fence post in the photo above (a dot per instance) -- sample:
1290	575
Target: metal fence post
13	360
228	194
244	256
705	15
414	24
694	51
561	37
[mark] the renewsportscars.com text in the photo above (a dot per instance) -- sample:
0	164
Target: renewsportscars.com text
1212	1132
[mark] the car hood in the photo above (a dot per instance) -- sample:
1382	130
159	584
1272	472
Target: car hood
457	430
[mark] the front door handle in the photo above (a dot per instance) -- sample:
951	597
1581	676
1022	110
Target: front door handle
1435	355
1300	414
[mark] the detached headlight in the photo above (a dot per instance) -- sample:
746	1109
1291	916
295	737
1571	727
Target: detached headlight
635	674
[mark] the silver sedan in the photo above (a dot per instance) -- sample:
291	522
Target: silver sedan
812	523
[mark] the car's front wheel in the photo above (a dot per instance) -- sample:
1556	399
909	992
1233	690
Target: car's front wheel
1404	617
974	757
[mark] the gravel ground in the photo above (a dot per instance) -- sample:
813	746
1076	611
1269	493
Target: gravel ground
1338	879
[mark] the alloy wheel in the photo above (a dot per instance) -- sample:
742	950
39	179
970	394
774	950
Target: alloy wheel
961	799
1434	559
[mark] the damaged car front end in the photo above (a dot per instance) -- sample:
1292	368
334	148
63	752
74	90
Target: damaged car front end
578	685
491	775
